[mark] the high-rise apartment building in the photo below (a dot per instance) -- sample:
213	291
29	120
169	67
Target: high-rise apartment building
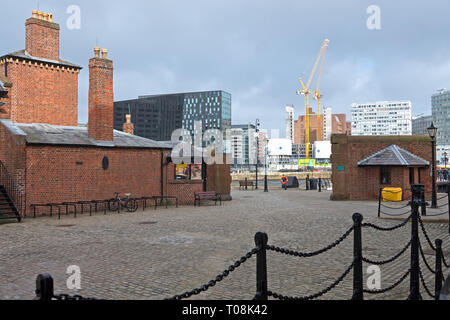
440	103
290	123
243	144
382	118
331	124
157	116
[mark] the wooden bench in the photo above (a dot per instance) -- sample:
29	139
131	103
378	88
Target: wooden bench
210	195
244	184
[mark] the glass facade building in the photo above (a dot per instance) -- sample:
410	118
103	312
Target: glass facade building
440	103
157	116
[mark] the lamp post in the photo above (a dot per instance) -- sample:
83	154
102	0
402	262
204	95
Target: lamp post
257	124
266	188
432	130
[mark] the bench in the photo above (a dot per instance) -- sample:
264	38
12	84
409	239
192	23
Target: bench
210	195
245	184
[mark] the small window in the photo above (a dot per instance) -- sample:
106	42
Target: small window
411	176
105	163
385	175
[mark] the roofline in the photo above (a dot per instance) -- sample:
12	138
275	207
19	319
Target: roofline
178	93
92	146
36	59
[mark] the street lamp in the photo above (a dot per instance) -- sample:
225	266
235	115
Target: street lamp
266	150
432	130
257	124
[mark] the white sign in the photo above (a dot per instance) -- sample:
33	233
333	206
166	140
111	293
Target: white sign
280	147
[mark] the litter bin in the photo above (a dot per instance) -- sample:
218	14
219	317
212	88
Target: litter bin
392	194
313	184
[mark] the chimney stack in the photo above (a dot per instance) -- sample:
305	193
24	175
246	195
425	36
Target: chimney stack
42	36
101	98
128	126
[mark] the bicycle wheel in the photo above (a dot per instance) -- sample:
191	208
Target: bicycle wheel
132	205
113	205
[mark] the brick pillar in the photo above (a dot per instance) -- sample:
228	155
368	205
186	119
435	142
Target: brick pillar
101	97
42	36
128	127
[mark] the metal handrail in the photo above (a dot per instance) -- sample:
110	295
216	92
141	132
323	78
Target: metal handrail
11	187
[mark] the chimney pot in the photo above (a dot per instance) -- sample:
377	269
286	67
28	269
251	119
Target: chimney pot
35	14
40	15
128	116
97	52
50	17
45	15
104	53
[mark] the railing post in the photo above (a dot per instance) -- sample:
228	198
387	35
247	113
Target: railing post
438	275
358	290
44	287
320	184
246	184
414	288
380	195
261	239
307	183
424	203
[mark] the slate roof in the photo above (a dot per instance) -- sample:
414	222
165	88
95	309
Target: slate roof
46	134
393	156
23	54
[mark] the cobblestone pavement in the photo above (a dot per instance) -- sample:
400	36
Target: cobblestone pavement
157	254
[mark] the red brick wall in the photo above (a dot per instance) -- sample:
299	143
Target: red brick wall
101	99
42	93
60	174
363	183
12	154
42	38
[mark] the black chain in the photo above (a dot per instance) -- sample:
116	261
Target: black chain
66	297
313	296
425	285
424	259
219	278
310	254
371	225
426	234
379	263
391	287
383	205
443	259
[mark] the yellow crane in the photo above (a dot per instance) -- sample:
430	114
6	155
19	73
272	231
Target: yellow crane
316	95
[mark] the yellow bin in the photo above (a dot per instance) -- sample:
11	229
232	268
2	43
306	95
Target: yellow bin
392	194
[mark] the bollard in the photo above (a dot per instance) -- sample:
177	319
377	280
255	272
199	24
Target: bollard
380	195
307	183
438	276
261	266
44	287
358	289
320	184
414	288
424	203
246	184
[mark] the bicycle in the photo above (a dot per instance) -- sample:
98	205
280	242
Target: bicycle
117	203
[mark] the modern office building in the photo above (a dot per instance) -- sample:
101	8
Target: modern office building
440	104
420	125
243	145
384	118
290	123
157	116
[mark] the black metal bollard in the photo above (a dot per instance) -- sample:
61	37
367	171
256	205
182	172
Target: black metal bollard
414	288
358	289
307	183
424	203
320	184
438	276
44	287
448	198
380	195
246	184
261	239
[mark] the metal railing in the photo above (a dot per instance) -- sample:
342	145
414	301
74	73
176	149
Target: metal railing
13	190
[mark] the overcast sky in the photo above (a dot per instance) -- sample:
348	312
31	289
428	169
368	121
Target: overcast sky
256	50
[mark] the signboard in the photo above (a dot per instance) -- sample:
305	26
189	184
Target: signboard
322	149
280	147
340	168
307	162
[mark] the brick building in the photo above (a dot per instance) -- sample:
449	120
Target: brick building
50	159
361	165
339	124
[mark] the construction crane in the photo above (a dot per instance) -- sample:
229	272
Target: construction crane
316	95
